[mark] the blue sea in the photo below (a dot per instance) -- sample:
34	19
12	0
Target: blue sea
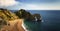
50	21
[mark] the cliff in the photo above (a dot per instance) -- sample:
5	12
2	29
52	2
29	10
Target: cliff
27	15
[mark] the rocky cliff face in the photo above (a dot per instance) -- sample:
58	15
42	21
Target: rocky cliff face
27	15
7	15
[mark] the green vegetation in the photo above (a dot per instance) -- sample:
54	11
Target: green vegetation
7	15
24	14
27	15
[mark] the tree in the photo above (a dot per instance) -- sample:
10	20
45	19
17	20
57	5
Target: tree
23	14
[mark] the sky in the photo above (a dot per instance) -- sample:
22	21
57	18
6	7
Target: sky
30	4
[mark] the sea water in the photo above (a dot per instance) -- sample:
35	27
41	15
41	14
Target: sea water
50	21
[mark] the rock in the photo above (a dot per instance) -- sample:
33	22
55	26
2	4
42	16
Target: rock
37	17
27	15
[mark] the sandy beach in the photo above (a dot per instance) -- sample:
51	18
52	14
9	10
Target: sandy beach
15	25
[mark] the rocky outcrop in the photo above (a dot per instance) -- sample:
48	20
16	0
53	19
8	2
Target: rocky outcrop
27	15
37	17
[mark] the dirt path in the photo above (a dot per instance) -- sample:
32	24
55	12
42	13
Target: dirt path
15	25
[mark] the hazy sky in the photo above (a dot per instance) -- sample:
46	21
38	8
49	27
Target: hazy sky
30	4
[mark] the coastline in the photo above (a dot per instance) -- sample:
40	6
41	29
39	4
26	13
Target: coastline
15	25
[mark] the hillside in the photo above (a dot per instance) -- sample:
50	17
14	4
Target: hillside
7	15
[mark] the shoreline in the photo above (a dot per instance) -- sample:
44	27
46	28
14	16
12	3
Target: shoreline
15	25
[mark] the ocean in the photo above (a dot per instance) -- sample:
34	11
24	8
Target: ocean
50	21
